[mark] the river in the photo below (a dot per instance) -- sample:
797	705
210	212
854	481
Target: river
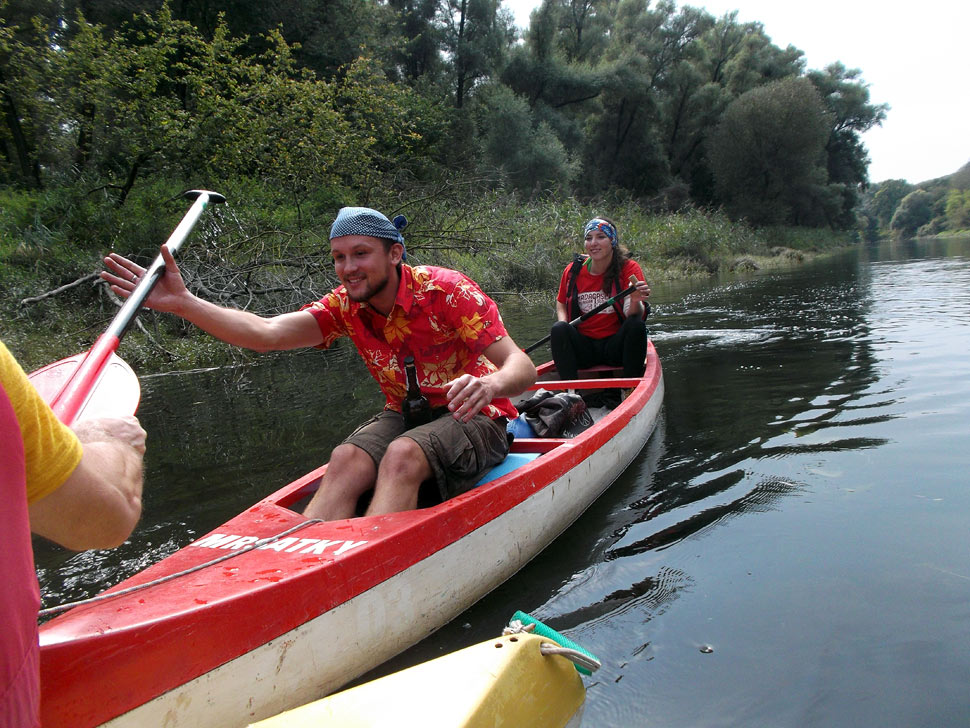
792	547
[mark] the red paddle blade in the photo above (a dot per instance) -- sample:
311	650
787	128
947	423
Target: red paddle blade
115	394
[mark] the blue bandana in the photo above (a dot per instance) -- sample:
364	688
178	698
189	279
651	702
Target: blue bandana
365	221
603	226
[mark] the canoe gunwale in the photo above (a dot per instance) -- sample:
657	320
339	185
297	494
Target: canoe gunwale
403	542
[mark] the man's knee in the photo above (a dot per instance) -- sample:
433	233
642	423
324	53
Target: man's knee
405	457
348	455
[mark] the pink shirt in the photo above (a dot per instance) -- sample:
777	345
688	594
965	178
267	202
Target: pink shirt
37	454
19	595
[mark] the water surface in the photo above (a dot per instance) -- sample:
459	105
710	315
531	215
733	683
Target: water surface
802	509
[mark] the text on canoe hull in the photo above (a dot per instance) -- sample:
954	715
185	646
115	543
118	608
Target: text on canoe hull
288	545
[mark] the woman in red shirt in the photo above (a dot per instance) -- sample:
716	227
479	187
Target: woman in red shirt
614	336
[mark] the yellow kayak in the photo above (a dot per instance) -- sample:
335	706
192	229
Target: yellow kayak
514	680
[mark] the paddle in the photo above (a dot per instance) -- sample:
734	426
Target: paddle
606	304
99	382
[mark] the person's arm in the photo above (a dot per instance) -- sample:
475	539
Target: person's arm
239	328
468	395
562	295
636	303
638	298
99	504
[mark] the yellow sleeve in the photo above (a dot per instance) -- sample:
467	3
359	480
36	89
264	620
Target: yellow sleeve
51	449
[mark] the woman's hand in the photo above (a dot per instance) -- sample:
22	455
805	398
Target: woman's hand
641	294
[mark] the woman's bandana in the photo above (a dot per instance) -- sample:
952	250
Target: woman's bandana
365	221
603	226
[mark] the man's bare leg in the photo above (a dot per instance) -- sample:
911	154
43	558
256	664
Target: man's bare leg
403	468
349	475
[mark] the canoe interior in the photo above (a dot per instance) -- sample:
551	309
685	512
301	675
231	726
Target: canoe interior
215	642
593	379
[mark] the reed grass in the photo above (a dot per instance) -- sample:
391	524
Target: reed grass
272	254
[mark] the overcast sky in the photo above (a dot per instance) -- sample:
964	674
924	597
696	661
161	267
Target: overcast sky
913	56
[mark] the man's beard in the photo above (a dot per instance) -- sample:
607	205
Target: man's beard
369	291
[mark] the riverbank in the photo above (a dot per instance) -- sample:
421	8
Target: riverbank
269	260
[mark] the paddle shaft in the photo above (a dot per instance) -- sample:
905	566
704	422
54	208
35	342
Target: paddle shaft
72	396
606	304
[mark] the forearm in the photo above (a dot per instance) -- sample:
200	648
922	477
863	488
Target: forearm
99	505
516	374
233	326
468	394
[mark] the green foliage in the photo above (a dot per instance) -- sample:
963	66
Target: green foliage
847	100
158	98
526	155
961	178
767	154
329	100
914	211
476	36
885	198
958	209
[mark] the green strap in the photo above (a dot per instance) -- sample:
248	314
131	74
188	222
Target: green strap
549	633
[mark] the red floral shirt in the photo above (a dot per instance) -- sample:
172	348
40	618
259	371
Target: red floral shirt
440	317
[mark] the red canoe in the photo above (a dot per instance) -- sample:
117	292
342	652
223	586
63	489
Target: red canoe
314	605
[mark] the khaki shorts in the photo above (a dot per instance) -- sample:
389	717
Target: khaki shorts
459	452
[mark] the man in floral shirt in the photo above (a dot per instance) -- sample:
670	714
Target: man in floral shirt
468	366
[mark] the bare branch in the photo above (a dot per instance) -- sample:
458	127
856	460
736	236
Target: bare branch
56	291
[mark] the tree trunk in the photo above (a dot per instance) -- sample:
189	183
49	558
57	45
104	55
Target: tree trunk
459	57
29	169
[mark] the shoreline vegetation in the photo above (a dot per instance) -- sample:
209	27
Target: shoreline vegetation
271	259
713	148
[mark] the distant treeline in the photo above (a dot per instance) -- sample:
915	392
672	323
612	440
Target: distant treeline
323	102
929	208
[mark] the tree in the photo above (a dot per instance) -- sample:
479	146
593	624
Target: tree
958	210
419	55
885	198
22	57
527	155
730	58
583	29
626	140
915	210
156	98
767	153
847	99
477	36
558	91
961	178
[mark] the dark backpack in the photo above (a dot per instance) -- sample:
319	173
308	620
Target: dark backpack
550	414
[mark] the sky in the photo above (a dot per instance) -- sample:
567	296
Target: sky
913	56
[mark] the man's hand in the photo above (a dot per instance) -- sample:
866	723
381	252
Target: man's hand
468	395
99	504
124	275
